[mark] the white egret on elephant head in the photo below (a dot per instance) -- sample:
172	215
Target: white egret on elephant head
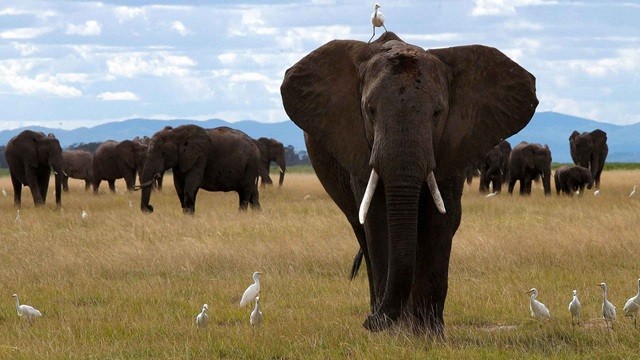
377	20
29	312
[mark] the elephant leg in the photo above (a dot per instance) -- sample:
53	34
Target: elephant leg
43	184
243	197
266	180
435	235
178	183
33	181
512	184
65	183
254	200
130	180
572	186
192	183
112	185
525	185
96	186
159	181
17	191
87	185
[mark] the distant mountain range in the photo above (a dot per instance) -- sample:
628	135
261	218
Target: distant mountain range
546	127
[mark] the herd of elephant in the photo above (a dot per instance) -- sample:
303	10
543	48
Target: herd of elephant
527	162
219	159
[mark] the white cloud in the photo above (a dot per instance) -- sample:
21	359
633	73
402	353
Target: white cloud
252	24
89	28
126	13
248	76
118	96
228	58
625	61
11	11
24	49
445	37
14	74
180	28
157	64
522	25
504	7
24	33
294	38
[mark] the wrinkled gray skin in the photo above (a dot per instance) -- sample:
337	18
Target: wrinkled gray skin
270	150
568	180
220	159
116	160
31	157
145	140
525	163
590	150
404	112
492	168
77	164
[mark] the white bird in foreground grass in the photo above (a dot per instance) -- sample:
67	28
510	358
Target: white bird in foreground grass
596	193
377	20
492	194
538	310
4	192
130	205
84	215
608	310
632	306
202	320
256	314
18	217
27	311
575	307
633	192
252	291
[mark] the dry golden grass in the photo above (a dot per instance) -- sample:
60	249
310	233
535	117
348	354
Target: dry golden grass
123	284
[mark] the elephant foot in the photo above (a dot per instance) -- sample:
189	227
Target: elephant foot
379	321
147	209
188	211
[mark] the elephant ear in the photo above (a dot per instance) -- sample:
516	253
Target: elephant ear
321	94
490	98
572	147
190	149
599	138
126	153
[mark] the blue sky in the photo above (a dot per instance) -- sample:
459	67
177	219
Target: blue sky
71	63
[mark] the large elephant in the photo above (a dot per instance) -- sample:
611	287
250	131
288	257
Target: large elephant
526	162
220	159
270	150
145	140
31	156
568	180
494	167
590	150
116	160
77	164
404	123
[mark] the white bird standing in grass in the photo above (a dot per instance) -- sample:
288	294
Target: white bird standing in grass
633	192
492	194
256	314
252	291
632	306
377	20
202	320
538	310
575	307
27	311
18	219
84	215
4	192
596	193
608	310
130	205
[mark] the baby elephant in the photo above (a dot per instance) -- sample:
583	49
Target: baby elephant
573	178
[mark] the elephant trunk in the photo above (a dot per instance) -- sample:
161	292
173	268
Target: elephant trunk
590	180
546	181
148	177
56	164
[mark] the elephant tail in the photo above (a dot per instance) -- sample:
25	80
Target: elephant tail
357	260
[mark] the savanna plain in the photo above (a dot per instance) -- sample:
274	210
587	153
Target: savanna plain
123	284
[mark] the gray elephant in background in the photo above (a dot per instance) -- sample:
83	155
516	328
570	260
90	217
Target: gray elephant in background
116	160
569	179
590	150
270	150
31	156
493	167
77	164
525	163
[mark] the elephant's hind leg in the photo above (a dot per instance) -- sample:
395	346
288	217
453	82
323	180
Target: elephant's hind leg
17	191
112	185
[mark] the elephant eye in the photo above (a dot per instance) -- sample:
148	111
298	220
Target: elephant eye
437	112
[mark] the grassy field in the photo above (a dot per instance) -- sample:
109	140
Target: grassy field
127	285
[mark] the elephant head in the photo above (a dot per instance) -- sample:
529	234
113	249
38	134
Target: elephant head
589	150
50	152
273	150
132	154
178	149
404	117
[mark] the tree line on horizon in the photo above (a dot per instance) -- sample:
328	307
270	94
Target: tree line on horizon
292	156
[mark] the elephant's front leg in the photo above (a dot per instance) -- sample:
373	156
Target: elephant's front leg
33	181
192	182
435	234
17	191
178	183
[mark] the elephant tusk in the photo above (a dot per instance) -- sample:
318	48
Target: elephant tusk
54	172
435	193
368	195
281	171
138	187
